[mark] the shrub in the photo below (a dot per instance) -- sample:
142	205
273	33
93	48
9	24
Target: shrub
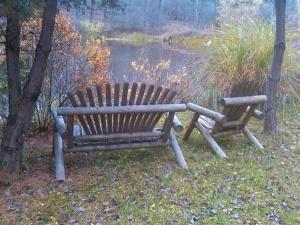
243	51
73	63
90	30
240	51
160	74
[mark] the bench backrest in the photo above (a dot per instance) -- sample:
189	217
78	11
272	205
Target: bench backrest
109	109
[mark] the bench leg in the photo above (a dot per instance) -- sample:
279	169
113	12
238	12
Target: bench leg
177	150
252	138
211	141
59	157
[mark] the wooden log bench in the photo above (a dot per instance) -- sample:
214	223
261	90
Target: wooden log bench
115	117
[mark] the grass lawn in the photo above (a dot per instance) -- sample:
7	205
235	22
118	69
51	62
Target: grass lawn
148	187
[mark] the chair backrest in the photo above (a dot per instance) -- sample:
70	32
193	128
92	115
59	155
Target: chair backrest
241	105
241	89
109	96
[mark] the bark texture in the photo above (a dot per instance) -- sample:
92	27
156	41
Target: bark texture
21	105
275	71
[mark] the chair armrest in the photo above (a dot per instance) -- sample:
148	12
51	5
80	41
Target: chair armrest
246	100
257	114
206	112
59	122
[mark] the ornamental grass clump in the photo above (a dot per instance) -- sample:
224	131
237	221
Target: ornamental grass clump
243	51
240	52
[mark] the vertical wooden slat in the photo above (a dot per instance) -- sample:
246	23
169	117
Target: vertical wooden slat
88	117
168	99
230	111
80	117
70	126
145	102
152	117
116	103
249	91
143	124
245	89
100	103
131	102
138	102
92	103
123	102
108	103
248	115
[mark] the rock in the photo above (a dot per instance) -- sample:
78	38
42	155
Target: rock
130	217
91	198
7	194
102	188
37	218
24	195
67	191
229	178
116	216
74	203
14	208
114	202
106	203
284	204
274	218
212	212
185	201
72	221
191	217
80	210
236	216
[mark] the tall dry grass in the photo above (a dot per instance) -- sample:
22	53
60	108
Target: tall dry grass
243	51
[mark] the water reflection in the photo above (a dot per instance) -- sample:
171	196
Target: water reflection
123	54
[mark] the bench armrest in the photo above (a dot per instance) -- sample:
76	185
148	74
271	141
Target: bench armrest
59	122
177	125
206	112
158	108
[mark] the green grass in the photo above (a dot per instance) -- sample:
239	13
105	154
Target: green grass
195	44
148	187
136	38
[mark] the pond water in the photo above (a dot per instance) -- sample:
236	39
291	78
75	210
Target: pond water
123	54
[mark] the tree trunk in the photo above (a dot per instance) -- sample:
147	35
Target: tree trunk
12	51
22	106
275	71
92	10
